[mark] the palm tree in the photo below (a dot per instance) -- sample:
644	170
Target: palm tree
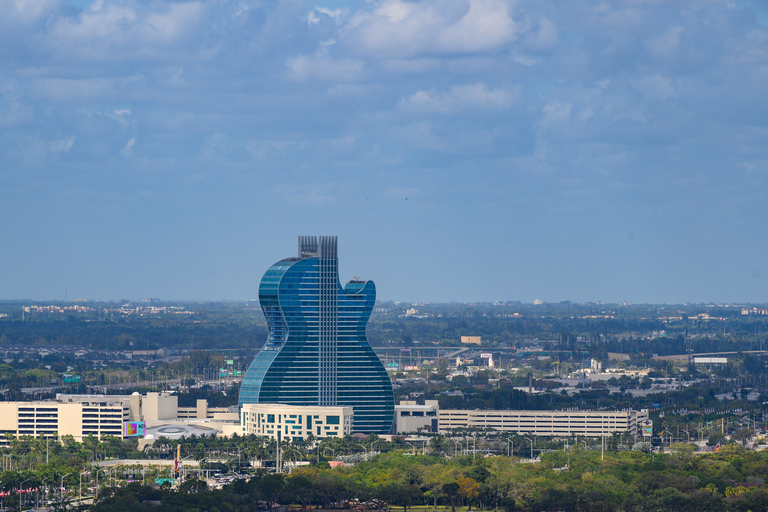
293	453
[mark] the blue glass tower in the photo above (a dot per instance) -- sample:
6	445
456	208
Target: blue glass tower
317	352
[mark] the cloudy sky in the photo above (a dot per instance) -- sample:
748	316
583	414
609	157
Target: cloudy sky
462	150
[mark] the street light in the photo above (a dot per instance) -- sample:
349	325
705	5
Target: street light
61	488
21	493
531	440
46	487
80	489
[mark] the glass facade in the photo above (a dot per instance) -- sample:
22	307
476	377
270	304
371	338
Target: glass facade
317	352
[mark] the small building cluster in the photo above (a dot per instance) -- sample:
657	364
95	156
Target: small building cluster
158	414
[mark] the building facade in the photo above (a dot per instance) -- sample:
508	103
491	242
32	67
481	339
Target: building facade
317	353
95	416
296	422
413	418
544	423
82	415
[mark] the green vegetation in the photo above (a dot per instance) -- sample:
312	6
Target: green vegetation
576	480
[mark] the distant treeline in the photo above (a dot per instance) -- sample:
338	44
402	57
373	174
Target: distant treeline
597	329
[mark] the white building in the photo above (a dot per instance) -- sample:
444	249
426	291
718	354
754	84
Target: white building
52	419
99	415
296	422
411	418
544	423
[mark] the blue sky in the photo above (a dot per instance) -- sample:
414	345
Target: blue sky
462	150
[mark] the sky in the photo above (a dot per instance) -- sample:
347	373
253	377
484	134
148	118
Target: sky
462	150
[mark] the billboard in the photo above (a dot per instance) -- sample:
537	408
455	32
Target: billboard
486	355
646	427
134	428
410	368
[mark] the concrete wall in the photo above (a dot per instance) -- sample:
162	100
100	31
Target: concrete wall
159	406
71	421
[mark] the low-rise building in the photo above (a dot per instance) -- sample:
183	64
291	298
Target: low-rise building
412	418
544	423
96	417
100	415
296	422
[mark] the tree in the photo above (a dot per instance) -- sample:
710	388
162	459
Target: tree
451	490
269	487
743	435
400	495
300	486
469	489
193	485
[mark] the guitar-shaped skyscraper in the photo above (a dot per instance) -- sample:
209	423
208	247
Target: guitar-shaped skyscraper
317	352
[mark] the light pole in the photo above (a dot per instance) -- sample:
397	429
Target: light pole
21	492
80	489
98	470
61	488
602	447
531	440
45	487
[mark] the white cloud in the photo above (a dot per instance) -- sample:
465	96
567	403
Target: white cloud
473	96
62	145
657	87
179	21
399	28
112	23
306	67
25	11
122	116
314	17
546	35
106	29
556	111
128	149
